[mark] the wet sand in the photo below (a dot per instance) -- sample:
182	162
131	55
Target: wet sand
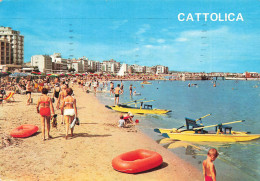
86	156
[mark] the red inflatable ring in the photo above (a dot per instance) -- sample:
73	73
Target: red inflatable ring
137	161
24	131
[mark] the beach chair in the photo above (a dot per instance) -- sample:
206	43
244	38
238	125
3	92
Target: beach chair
9	96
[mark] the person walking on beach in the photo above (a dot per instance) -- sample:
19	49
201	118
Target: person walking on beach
69	108
117	92
29	92
46	107
62	95
209	170
56	91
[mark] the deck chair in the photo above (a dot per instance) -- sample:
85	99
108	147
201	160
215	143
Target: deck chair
191	124
9	96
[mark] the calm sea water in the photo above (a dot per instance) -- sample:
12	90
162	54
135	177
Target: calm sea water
228	101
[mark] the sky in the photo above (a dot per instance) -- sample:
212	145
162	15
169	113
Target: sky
143	32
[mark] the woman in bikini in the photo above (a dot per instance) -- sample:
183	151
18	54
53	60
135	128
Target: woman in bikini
69	109
46	107
62	95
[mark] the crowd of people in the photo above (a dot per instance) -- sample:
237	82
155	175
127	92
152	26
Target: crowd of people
57	96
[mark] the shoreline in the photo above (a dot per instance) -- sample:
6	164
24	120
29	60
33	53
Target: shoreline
88	155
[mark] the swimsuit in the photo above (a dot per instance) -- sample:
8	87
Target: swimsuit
69	112
28	92
208	178
116	95
56	94
45	111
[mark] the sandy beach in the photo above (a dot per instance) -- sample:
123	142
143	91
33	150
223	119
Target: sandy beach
86	156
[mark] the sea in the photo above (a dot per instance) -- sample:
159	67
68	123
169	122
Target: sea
230	100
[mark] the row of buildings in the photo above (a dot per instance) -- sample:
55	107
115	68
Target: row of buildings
56	64
12	57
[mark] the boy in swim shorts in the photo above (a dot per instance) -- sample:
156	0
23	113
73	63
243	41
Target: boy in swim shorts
209	170
117	92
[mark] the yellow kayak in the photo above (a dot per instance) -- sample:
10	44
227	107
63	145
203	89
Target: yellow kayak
146	83
135	110
212	137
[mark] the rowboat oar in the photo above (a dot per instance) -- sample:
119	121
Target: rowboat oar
134	101
219	124
195	120
140	102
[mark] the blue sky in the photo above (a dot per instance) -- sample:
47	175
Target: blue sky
144	32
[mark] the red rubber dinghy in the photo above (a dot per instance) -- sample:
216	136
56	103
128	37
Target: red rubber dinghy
137	161
24	131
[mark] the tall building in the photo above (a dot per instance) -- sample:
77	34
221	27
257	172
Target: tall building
17	44
43	62
5	52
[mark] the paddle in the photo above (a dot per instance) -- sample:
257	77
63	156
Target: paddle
219	124
134	101
195	120
140	102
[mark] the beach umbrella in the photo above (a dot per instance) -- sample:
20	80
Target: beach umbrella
53	75
49	74
3	74
18	74
68	74
36	73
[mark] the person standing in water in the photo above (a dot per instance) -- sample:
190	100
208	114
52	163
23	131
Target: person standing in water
111	88
117	92
209	170
131	89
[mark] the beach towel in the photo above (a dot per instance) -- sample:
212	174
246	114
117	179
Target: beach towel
73	123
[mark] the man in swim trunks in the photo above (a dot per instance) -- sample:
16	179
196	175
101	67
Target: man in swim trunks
29	92
117	92
209	170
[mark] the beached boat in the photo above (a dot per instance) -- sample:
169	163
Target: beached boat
197	133
146	109
212	137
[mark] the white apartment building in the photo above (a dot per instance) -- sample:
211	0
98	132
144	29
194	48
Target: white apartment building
61	66
111	66
138	68
43	62
78	66
92	65
17	44
151	70
124	67
160	69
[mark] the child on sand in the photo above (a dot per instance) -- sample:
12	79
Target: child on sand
121	122
209	170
